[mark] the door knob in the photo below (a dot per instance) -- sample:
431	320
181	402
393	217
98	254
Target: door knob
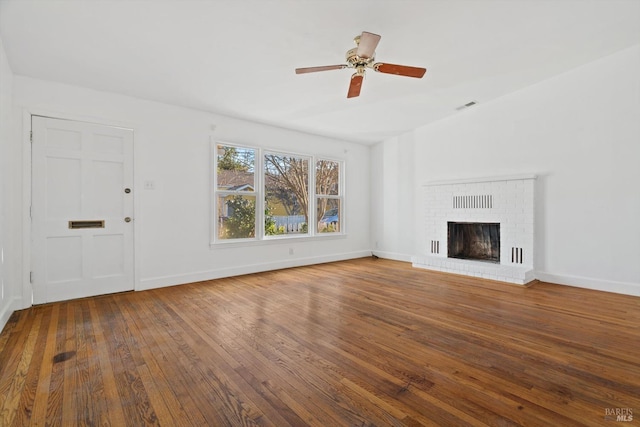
127	219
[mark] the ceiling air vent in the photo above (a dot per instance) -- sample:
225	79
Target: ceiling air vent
467	105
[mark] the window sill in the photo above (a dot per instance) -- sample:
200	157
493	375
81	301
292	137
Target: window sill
277	240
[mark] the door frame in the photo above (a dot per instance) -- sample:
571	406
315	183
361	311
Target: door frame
27	169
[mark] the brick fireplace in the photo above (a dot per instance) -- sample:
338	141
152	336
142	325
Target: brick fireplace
479	227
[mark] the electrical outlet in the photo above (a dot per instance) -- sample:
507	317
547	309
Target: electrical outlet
290	251
149	185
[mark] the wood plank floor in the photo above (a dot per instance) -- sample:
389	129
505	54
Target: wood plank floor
355	343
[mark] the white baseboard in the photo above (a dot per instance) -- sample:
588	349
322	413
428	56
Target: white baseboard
7	311
392	255
625	288
178	279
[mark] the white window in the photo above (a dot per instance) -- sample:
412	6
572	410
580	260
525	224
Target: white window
235	193
286	194
328	196
261	195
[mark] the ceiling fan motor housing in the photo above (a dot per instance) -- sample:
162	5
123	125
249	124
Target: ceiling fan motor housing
354	61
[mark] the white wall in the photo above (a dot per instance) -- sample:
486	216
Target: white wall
393	208
9	266
580	133
172	148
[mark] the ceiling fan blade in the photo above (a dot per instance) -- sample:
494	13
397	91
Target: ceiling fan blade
367	45
400	70
322	68
355	85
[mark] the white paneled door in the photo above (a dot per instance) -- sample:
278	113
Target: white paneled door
82	209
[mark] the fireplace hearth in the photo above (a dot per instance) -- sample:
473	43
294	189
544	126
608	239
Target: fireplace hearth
474	240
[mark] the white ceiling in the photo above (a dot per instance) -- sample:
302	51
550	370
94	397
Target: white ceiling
238	57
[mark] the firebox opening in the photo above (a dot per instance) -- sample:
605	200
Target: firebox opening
474	240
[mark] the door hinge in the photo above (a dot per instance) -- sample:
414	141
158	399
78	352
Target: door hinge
31	136
31	277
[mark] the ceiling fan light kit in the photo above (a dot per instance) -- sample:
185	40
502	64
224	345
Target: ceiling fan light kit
362	57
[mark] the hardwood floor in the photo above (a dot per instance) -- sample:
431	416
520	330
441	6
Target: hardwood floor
355	343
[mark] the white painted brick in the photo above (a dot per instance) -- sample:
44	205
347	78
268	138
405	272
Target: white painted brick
513	207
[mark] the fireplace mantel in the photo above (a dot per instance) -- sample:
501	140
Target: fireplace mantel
507	200
481	180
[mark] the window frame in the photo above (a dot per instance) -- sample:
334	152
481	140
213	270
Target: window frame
216	193
340	196
309	160
259	193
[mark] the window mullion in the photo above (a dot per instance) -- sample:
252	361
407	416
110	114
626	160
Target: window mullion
312	198
260	191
